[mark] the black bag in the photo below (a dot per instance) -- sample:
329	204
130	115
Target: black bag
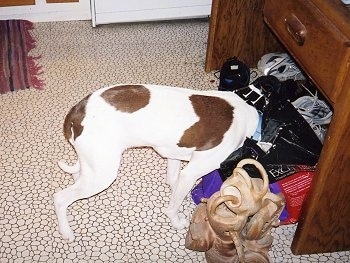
295	145
294	141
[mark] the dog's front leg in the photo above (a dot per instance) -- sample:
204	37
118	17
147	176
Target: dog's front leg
179	191
200	164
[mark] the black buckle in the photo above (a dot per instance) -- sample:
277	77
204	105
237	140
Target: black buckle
252	97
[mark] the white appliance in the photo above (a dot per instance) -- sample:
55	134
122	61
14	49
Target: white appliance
117	11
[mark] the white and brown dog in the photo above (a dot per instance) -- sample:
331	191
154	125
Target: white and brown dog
201	127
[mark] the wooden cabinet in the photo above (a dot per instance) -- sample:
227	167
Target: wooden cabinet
61	1
324	53
237	29
16	2
317	34
31	2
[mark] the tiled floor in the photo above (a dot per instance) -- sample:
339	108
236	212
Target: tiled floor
125	222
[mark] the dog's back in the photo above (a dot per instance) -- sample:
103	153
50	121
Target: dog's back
162	116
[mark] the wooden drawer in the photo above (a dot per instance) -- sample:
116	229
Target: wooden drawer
320	48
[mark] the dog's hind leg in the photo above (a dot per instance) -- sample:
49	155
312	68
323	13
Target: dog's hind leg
200	164
94	177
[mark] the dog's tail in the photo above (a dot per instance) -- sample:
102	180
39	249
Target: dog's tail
71	169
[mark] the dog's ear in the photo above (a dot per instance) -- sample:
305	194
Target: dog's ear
200	236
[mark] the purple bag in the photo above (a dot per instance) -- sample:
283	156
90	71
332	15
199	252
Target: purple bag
209	185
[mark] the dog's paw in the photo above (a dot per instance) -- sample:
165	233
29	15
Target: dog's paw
67	234
179	222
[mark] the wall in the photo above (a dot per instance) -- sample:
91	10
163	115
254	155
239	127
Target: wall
44	12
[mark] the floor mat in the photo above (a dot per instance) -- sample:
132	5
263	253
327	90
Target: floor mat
18	70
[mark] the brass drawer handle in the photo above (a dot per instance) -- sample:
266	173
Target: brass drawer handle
296	29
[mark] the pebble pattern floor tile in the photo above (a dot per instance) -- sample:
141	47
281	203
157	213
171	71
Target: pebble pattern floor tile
125	223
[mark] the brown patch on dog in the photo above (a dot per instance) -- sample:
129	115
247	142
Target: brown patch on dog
215	118
74	118
127	98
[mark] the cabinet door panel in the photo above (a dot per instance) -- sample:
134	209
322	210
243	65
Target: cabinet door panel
112	11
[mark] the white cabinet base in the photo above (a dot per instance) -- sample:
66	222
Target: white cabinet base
118	11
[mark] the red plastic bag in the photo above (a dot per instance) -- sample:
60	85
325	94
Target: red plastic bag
295	189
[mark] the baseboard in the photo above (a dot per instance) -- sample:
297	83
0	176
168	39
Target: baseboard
155	14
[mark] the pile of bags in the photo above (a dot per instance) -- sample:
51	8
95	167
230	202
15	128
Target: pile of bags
294	121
